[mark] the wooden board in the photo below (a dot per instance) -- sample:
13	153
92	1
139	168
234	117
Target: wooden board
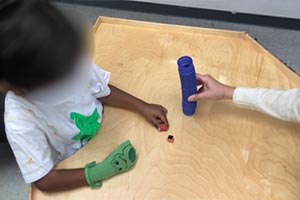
222	152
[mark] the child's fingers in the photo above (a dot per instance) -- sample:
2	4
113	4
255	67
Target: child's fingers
165	110
163	118
155	123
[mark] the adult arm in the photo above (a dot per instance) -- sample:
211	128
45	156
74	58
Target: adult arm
282	104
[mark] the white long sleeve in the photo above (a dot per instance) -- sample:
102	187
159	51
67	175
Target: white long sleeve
282	104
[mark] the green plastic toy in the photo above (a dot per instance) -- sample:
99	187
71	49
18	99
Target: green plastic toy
119	160
88	125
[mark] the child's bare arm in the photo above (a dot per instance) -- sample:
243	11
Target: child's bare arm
122	99
152	112
61	180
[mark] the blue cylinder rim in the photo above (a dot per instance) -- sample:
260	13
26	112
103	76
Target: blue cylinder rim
184	61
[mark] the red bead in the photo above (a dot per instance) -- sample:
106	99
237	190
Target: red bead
170	138
162	127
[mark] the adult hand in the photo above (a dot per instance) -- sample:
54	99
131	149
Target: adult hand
211	89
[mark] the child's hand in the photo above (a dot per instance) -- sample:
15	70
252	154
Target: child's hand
155	114
211	89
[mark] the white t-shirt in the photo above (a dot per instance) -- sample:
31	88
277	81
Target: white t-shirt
282	104
42	134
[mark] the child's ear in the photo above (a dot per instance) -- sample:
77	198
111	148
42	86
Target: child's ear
6	86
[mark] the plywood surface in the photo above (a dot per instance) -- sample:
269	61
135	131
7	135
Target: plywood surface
222	152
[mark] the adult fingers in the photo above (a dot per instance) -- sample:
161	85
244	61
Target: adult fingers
199	79
198	96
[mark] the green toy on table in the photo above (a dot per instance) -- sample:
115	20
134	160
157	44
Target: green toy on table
119	160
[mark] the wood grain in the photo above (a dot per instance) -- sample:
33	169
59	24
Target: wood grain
222	152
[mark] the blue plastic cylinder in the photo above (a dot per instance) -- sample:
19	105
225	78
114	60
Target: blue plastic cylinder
188	81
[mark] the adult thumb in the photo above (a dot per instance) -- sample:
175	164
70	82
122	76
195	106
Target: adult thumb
198	96
194	97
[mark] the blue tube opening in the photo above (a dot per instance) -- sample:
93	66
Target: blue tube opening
184	61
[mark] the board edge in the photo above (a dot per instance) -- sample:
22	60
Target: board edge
165	26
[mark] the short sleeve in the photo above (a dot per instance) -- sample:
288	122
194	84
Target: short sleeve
29	143
99	83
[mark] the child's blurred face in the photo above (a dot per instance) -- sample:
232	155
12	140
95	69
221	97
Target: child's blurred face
66	87
70	81
76	79
40	47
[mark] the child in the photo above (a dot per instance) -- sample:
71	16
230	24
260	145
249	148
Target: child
282	104
54	95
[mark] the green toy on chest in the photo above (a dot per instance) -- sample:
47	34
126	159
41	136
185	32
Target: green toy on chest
88	125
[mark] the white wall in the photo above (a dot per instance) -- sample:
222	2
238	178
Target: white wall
279	8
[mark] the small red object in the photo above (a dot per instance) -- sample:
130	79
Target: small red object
162	127
170	138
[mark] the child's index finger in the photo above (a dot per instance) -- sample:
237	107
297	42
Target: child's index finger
164	124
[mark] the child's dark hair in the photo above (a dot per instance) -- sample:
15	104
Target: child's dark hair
38	44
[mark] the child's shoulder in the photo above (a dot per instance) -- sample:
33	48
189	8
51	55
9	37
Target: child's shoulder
17	109
13	101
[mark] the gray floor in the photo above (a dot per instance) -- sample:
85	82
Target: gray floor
284	43
12	186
